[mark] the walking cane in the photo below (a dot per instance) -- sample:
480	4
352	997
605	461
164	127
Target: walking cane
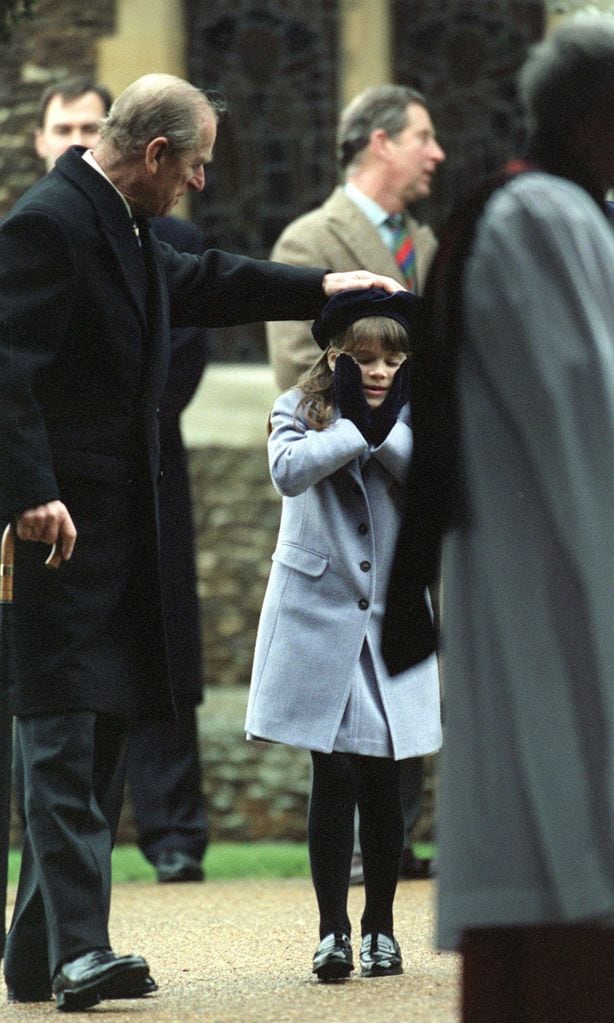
6	717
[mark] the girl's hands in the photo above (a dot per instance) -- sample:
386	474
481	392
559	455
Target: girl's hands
385	416
349	395
374	424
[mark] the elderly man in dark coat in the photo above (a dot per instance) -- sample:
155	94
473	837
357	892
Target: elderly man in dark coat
87	296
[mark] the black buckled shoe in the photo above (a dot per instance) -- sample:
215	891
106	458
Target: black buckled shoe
333	959
380	956
98	975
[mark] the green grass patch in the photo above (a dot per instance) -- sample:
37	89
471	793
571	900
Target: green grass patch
224	861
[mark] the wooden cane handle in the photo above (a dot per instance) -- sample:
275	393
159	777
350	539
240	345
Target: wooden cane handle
7	553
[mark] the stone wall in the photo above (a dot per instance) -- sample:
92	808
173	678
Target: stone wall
236	517
258	791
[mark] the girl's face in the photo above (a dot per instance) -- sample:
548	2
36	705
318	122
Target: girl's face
377	366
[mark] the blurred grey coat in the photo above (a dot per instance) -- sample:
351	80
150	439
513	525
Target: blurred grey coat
326	592
526	821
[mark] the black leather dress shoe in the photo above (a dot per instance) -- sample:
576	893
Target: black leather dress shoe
98	975
178	866
333	959
149	986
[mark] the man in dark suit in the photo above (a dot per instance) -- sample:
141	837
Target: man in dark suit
163	769
87	297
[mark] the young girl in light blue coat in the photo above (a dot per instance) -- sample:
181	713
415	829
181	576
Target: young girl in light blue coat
339	447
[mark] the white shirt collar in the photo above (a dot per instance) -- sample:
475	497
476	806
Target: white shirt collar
89	157
371	209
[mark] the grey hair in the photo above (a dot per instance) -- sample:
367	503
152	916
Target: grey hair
379	106
568	75
157	105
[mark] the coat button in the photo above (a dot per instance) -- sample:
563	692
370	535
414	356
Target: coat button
363	603
363	528
365	565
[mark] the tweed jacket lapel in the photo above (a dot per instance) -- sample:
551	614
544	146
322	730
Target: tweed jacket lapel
358	235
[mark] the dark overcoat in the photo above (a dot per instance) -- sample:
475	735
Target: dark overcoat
182	613
85	315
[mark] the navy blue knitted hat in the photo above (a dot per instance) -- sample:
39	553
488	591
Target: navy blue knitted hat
346	307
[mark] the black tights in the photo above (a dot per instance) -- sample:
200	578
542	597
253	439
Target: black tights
340	782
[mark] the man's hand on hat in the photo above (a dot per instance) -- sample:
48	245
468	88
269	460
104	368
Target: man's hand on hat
334	282
349	394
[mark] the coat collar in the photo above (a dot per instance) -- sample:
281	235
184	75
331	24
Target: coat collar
357	234
361	238
114	221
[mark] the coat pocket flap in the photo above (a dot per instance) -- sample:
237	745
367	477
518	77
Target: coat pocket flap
299	558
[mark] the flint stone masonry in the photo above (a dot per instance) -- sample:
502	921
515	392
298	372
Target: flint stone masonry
258	791
236	518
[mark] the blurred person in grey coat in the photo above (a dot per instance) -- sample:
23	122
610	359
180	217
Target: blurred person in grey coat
513	412
339	447
388	153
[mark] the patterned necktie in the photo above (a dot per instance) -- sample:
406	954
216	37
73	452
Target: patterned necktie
403	248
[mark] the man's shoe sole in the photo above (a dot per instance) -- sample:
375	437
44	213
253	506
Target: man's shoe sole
124	982
330	973
382	971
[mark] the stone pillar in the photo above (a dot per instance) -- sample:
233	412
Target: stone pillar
149	36
362	65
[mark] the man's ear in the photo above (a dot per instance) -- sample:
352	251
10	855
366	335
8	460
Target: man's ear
331	358
379	142
155	152
39	143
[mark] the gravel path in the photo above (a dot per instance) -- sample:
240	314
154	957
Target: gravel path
240	952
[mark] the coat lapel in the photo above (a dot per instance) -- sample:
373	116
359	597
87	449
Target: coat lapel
156	366
114	222
361	239
358	235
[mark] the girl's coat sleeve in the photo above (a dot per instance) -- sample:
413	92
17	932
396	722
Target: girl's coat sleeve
395	453
299	456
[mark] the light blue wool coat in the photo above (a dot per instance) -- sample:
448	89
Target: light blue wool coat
327	588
